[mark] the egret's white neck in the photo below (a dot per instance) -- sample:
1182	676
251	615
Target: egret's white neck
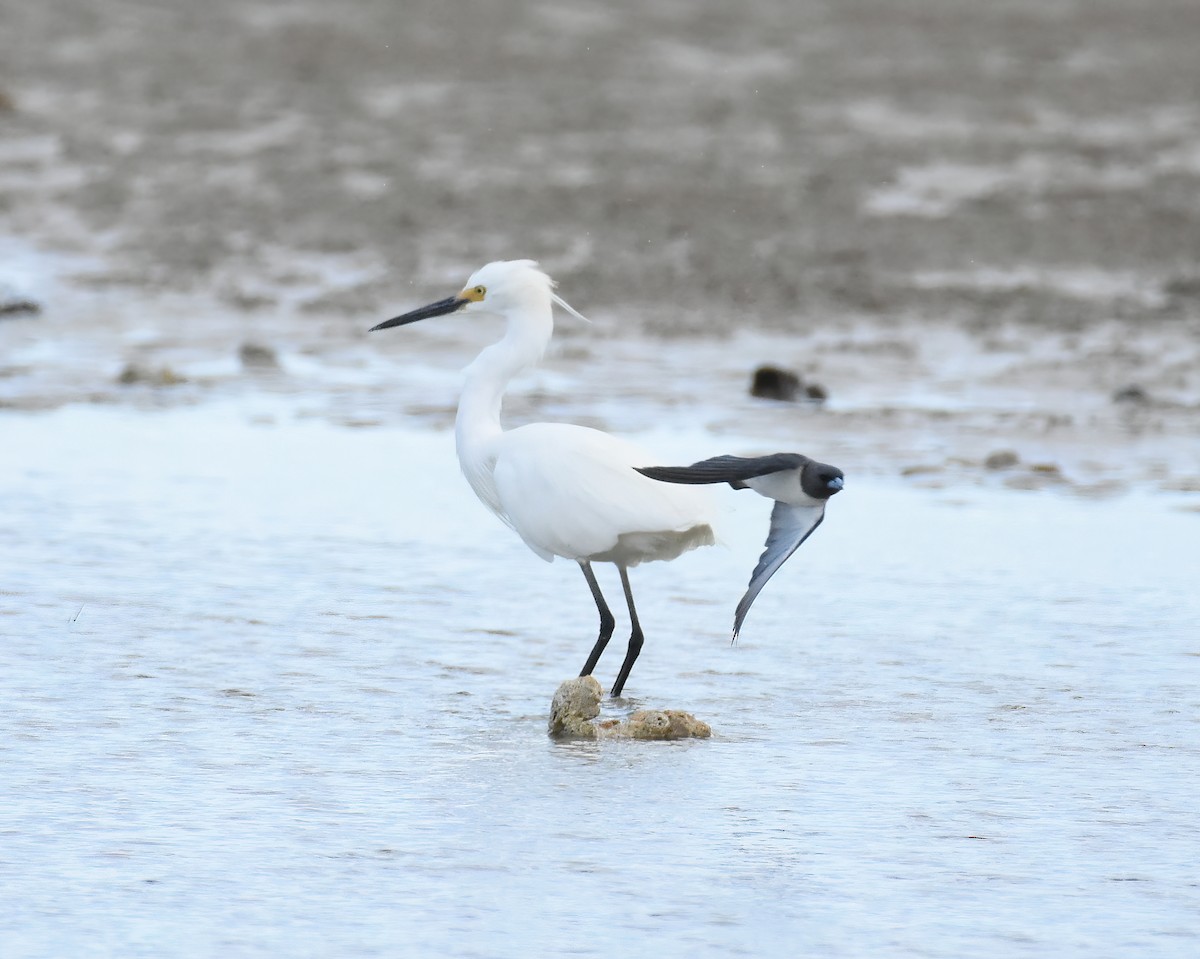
524	343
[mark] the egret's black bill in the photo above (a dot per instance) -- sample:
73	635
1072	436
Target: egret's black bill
440	308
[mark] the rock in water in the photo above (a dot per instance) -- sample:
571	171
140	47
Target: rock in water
665	724
577	704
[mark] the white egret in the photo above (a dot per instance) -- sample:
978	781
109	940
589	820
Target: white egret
576	492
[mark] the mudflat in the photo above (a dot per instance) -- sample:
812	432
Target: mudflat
936	205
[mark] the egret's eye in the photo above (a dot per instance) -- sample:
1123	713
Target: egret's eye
474	294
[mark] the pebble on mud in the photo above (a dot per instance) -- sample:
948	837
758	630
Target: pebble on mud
1039	476
1001	460
19	306
576	705
134	375
776	383
255	356
1131	394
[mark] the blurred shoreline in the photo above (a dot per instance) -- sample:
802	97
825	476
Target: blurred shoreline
977	225
775	165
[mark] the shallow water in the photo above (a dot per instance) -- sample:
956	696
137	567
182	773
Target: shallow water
276	686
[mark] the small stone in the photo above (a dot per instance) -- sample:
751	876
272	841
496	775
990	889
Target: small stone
576	703
1039	476
1001	460
1181	287
816	392
1102	489
134	375
248	300
1131	394
258	357
665	724
19	307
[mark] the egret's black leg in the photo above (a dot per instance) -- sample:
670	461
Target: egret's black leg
607	621
635	637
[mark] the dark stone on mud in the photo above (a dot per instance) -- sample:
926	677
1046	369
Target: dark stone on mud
774	383
19	307
1001	460
1183	287
258	357
1131	394
134	375
1039	476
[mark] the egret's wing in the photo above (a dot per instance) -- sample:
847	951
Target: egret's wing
572	491
790	526
726	469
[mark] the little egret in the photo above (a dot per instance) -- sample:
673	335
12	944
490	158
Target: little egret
576	492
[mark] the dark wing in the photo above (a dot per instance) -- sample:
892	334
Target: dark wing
725	469
790	526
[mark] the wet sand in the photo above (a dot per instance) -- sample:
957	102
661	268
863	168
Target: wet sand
771	163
